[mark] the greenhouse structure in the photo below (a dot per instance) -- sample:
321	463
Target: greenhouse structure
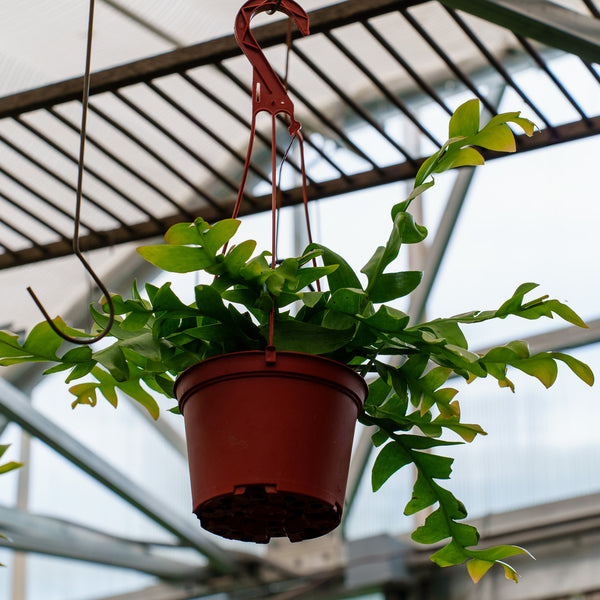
101	507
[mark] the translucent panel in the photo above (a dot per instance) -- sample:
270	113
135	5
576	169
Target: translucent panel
50	578
126	440
7	559
8	490
542	445
353	225
381	512
61	490
527	218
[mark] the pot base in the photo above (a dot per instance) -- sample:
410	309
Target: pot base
257	513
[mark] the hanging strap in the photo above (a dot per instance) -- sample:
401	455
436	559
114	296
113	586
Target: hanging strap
270	95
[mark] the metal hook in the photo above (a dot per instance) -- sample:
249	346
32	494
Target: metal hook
76	249
275	8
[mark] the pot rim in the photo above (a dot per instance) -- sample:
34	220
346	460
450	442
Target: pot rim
358	398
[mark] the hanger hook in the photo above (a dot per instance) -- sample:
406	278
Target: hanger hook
268	93
275	8
77	221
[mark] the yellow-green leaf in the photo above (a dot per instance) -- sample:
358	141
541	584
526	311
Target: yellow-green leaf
580	369
478	568
497	137
176	259
541	368
509	572
465	157
465	120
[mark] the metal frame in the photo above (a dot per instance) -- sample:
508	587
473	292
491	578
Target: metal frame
55	537
211	195
546	22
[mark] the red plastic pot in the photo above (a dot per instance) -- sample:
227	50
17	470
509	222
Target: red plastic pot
269	444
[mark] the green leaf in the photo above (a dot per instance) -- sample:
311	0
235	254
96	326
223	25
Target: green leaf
465	120
514	302
404	230
109	392
433	530
43	341
210	304
540	367
308	275
9	466
166	299
257	269
387	319
447	329
579	368
113	359
80	354
505	354
463	157
136	320
434	465
499	552
416	192
80	370
412	232
311	299
484	559
496	137
217	235
183	234
423	495
509	572
343	276
391	458
236	258
295	336
177	259
347	300
435	378
467	431
390	286
379	392
513	117
566	313
145	344
85	394
10	346
451	554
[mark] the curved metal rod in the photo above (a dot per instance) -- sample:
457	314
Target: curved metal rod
275	8
76	249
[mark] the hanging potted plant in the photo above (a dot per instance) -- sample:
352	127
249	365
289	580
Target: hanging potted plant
159	344
269	371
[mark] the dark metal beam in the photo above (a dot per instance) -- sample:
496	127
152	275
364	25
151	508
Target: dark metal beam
546	22
326	189
191	57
